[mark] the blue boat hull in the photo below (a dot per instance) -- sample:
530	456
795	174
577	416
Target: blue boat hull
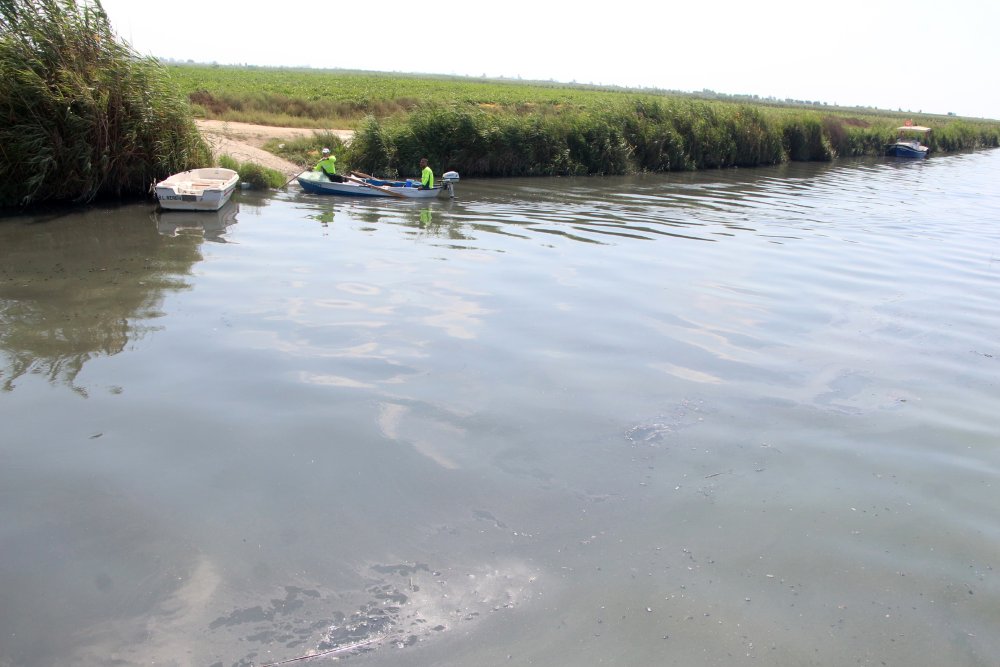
316	183
902	150
320	189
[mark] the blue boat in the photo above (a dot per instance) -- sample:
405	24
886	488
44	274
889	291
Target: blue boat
357	185
908	142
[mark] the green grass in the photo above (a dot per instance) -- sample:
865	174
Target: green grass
306	151
321	95
255	176
248	93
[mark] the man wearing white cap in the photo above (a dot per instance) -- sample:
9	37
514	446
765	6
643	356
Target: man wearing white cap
328	165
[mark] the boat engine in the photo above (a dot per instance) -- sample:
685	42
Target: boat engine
449	178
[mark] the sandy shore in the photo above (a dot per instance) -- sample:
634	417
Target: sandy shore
243	141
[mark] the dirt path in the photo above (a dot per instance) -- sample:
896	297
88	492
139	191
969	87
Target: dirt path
243	141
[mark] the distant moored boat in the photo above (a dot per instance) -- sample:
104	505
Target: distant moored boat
908	142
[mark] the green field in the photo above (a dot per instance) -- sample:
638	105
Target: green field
314	98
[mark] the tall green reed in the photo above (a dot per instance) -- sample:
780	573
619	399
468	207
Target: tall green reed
83	116
961	135
626	137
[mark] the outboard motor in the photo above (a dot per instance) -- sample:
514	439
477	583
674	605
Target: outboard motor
449	178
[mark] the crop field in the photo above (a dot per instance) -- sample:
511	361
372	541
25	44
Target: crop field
227	92
254	93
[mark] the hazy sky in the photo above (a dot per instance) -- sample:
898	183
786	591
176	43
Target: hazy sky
935	57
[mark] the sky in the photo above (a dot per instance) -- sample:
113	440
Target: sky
919	56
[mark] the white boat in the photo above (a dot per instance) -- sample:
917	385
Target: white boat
367	186
908	142
205	189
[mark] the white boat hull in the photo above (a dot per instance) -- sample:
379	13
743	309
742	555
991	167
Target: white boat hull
198	189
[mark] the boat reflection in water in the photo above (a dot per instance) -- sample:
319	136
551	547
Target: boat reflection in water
211	224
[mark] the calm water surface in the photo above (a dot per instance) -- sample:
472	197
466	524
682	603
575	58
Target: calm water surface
701	419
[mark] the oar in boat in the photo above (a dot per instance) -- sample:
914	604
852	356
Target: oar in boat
296	175
375	187
362	174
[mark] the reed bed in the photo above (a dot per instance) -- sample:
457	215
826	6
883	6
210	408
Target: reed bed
631	135
84	115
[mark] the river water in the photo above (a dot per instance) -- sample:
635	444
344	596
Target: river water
730	417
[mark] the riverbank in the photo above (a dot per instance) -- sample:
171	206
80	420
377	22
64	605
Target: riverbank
489	128
244	142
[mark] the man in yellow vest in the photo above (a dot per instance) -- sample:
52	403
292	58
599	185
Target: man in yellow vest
426	175
328	165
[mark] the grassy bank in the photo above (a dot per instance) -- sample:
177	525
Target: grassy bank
253	175
84	116
486	127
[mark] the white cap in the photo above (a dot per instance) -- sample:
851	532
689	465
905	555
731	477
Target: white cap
325	151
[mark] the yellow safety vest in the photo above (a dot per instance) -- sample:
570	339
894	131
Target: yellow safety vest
327	164
427	178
